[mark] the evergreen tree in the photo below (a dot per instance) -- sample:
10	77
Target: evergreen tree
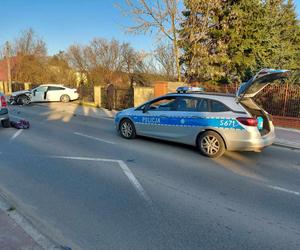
203	39
225	39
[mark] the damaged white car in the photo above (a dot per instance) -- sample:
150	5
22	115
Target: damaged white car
44	93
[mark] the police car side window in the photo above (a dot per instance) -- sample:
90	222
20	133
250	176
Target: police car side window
166	104
218	107
202	105
141	107
187	104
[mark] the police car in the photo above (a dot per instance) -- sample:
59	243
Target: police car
213	122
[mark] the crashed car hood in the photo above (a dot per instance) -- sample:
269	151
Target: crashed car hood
20	92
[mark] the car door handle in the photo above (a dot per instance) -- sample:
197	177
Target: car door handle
163	116
195	117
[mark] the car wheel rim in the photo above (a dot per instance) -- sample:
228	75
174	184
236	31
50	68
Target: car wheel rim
126	129
65	98
210	145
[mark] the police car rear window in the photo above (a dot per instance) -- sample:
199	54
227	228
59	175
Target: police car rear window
218	107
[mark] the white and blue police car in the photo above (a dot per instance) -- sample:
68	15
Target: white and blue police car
213	122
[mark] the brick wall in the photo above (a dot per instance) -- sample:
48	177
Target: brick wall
289	122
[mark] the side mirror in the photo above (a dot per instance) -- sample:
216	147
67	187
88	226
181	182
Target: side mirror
34	92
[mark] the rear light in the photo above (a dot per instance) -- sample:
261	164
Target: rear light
3	102
248	121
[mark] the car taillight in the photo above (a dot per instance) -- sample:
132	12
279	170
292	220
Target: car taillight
3	102
248	121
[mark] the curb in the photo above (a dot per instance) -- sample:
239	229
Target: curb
281	145
27	226
288	129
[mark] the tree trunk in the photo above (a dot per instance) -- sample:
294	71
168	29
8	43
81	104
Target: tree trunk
176	49
176	53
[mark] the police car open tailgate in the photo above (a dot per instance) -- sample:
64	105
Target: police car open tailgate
262	79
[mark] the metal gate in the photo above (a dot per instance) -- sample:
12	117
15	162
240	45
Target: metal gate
118	98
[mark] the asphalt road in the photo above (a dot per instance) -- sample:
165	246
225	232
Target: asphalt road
83	185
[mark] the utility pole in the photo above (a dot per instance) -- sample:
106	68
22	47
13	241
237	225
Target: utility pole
8	54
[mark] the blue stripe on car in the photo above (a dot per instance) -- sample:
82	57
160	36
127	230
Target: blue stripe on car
188	121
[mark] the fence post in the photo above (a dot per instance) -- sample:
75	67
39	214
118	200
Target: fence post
5	88
97	96
2	86
142	94
285	97
27	85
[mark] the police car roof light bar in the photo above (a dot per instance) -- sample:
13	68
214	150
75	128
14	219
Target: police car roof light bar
185	89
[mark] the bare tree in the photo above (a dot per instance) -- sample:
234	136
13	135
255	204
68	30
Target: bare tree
60	70
29	55
159	15
101	60
109	61
77	59
164	55
30	44
106	56
133	63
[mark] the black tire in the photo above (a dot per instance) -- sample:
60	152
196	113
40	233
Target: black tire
211	144
65	98
23	100
127	129
5	123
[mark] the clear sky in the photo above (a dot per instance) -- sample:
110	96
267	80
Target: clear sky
61	23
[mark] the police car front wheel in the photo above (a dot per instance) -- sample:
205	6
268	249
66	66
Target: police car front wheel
211	144
127	129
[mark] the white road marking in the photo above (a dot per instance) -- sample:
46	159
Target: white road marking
284	190
83	158
15	135
93	138
134	181
126	170
105	118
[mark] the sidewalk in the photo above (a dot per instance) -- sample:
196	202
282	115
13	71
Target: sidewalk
13	237
17	234
77	109
287	137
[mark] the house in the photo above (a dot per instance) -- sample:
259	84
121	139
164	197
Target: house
4	86
164	87
3	67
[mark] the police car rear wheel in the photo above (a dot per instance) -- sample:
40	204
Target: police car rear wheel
211	144
127	129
